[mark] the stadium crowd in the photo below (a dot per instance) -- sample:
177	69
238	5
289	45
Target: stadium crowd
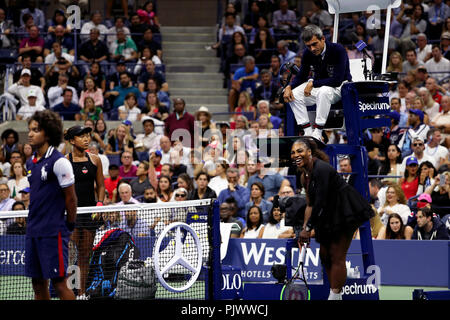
119	74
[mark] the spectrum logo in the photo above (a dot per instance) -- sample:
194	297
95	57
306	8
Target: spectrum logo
356	288
373	106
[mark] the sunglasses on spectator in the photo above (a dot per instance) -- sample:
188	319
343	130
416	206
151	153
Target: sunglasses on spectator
418	144
180	195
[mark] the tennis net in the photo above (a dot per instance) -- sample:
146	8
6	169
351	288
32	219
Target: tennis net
132	251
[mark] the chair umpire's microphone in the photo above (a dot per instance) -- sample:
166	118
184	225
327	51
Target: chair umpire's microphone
360	45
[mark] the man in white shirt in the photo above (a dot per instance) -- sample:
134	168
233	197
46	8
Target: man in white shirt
284	18
438	64
166	147
26	111
148	141
434	149
55	93
418	147
423	49
56	54
21	88
411	62
96	19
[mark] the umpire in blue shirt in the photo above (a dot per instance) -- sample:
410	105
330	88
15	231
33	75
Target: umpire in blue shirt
325	67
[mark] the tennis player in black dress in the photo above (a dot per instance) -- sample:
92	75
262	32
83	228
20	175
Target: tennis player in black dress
334	210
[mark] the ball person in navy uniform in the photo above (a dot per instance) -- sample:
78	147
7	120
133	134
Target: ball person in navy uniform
334	210
52	193
325	67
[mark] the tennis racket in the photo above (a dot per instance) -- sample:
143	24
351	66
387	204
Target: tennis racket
296	288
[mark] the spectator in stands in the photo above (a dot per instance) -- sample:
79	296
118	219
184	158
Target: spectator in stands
26	111
395	229
37	14
62	66
244	104
263	108
429	227
119	23
65	40
395	202
434	149
391	166
94	23
243	79
19	226
203	191
148	141
431	107
418	147
251	17
275	65
320	16
91	90
440	193
137	29
267	90
93	50
119	92
275	227
130	110
254	224
345	168
56	55
6	202
141	182
273	182
239	193
442	120
125	193
112	180
263	47
220	182
235	39
180	119
163	96
55	93
94	148
32	45
127	169
445	42
17	180
27	21
150	195
434	89
414	22
58	19
6	29
423	49
285	54
175	159
226	216
120	141
68	107
410	181
149	41
437	14
148	16
123	48
438	65
417	129
164	189
375	188
395	62
426	174
90	111
146	54
257	191
151	73
21	88
284	19
411	62
228	29
377	148
133	224
37	78
10	144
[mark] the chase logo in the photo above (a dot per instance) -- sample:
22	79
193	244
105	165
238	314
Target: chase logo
195	217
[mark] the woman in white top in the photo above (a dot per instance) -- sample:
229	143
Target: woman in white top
18	180
255	226
395	203
275	228
219	182
130	110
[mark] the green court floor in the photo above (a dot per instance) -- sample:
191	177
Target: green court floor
402	293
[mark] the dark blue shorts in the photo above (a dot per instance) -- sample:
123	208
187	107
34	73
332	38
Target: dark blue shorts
46	257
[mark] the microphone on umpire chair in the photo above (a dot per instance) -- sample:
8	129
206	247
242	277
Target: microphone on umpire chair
361	46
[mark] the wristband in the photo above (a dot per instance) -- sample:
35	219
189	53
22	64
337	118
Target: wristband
99	204
70	226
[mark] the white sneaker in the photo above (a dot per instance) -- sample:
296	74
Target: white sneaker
317	134
83	297
335	296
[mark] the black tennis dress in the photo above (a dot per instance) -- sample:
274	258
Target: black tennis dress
85	173
337	207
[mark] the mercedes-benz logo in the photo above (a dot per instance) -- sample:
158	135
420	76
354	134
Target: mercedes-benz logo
175	247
